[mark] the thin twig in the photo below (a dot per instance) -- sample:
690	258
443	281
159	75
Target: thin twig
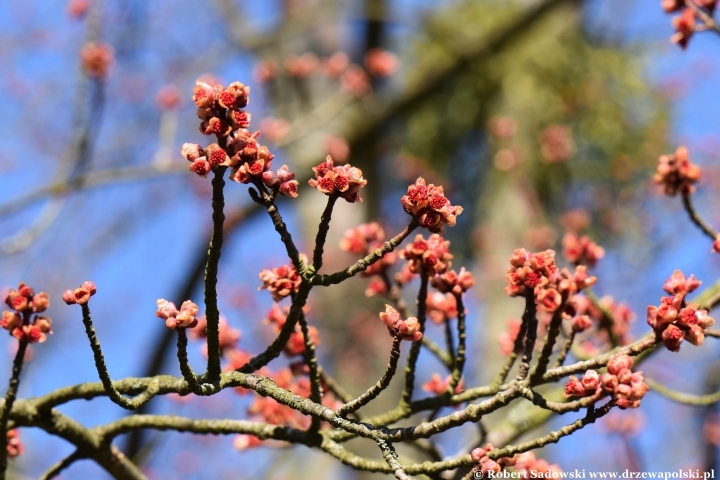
151	389
412	357
322	232
376	389
690	208
9	401
311	361
686	398
212	314
365	263
390	456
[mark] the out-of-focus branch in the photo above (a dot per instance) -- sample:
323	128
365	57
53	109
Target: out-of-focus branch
686	398
695	216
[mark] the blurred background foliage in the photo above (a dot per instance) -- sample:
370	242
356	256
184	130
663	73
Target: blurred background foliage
536	116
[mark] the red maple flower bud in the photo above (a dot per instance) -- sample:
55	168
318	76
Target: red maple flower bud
236	95
433	255
429	206
192	151
581	323
677	283
408	329
215	126
675	172
454	282
574	388
14	447
217	156
281	281
618	363
672	337
96	58
200	167
381	63
671	6
238	119
590	381
81	295
684	25
581	249
203	95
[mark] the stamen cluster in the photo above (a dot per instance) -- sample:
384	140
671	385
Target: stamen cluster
673	321
408	329
22	321
428	205
174	318
344	181
676	173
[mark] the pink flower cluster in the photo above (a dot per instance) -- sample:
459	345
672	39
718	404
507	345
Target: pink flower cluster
221	113
529	466
277	316
80	295
507	338
485	464
453	282
433	255
14	447
673	321
676	173
586	312
684	24
96	59
408	329
579	250
364	239
344	181
281	281
556	144
441	307
23	322
538	271
438	386
428	205
174	318
625	387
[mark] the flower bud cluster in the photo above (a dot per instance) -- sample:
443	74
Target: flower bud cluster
344	181
96	59
585	313
529	466
441	307
438	386
22	321
174	318
485	464
453	282
408	329
674	321
364	239
433	255
579	250
14	447
625	387
684	24
221	113
80	295
428	205
280	282
676	173
537	271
